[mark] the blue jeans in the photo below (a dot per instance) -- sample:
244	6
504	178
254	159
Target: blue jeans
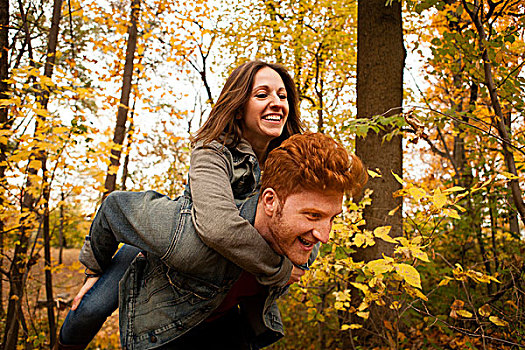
81	325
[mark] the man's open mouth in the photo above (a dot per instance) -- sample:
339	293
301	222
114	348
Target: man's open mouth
305	242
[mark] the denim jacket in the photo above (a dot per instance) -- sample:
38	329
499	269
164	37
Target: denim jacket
162	298
158	303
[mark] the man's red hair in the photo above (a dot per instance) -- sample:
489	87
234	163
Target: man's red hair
312	161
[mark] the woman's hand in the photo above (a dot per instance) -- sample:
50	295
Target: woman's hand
297	273
90	281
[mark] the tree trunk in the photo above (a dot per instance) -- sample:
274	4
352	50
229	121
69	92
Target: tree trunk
276	42
319	85
120	127
498	119
493	229
4	75
61	230
128	149
380	62
47	260
20	266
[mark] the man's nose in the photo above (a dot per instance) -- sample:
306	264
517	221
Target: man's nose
322	231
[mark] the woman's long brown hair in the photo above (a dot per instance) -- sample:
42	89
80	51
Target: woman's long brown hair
223	124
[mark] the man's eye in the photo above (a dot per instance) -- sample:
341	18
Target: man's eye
313	216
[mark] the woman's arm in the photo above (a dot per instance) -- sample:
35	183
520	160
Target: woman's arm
218	222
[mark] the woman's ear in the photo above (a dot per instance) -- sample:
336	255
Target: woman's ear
239	114
269	201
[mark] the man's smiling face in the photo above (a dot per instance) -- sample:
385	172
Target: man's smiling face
305	219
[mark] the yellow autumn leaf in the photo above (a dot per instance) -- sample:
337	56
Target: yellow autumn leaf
363	314
451	213
60	130
509	176
113	169
35	164
345	327
464	313
6	102
398	178
444	281
457	304
395	305
382	232
409	274
460	208
484	310
417	193
362	287
339	305
393	211
415	292
439	198
379	266
359	239
46	81
498	321
454	189
364	240
419	254
363	306
373	174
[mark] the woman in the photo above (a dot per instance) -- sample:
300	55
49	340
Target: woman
256	110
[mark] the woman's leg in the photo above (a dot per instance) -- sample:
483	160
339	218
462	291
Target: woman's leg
81	325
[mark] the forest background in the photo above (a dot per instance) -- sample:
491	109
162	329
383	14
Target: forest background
103	95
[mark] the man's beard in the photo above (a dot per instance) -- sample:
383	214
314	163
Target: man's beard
277	228
284	237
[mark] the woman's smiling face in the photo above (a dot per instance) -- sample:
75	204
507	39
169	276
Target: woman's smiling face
266	111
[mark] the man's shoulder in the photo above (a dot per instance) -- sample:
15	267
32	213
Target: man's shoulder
249	207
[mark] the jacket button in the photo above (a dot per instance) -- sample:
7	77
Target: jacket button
153	339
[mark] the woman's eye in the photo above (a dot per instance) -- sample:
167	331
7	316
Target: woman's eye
282	97
261	95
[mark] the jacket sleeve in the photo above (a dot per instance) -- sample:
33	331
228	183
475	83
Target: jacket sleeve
141	219
218	222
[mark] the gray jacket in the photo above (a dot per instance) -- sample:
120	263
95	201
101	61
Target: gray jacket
162	298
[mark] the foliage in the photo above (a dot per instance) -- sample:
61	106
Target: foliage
315	40
455	279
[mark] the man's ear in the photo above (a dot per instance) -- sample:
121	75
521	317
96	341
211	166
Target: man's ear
269	201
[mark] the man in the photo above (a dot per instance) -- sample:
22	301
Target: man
201	300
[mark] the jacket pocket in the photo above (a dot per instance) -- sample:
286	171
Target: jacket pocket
184	204
199	289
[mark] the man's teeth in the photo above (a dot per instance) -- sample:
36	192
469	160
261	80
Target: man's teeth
305	243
